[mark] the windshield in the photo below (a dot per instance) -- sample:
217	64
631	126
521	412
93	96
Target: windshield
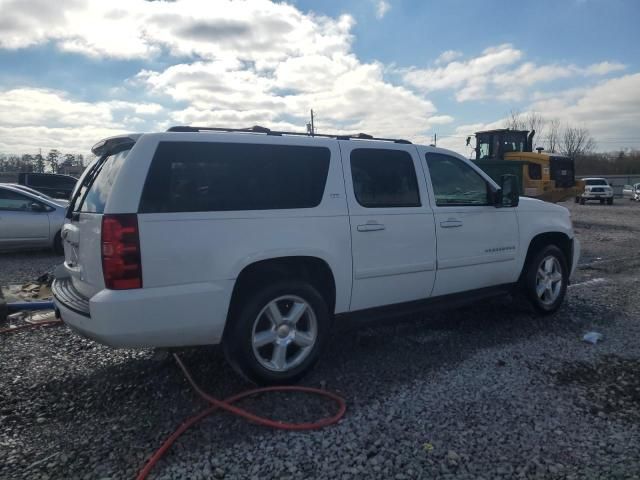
596	181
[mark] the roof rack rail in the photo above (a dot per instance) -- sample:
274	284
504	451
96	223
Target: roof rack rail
267	131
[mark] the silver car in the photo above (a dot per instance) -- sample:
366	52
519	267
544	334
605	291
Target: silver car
29	220
632	192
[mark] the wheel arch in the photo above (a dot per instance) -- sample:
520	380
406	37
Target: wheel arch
312	269
541	240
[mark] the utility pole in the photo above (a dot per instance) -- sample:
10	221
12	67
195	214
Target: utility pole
311	129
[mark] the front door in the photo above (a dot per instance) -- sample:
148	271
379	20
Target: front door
392	229
477	242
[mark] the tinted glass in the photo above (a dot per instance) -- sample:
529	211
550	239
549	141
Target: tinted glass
50	181
456	183
384	178
97	193
535	171
596	182
10	200
203	176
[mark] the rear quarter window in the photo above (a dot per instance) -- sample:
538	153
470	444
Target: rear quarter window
210	177
96	194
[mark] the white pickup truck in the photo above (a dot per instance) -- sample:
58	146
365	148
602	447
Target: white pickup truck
260	240
596	189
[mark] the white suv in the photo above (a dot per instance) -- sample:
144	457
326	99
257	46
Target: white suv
596	189
260	240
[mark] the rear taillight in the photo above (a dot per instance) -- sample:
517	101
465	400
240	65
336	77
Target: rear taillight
121	252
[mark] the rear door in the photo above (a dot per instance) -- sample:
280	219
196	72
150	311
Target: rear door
20	225
81	234
477	242
392	229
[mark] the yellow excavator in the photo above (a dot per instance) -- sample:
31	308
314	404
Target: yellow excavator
544	175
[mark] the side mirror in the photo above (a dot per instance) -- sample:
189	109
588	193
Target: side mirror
37	207
508	195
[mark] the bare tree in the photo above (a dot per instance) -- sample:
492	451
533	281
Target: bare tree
553	135
526	121
576	142
515	120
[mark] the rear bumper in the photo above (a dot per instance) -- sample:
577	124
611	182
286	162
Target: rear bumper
181	315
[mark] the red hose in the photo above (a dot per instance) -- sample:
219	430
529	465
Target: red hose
29	325
227	405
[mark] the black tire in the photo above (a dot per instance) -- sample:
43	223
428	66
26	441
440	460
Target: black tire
582	201
237	342
610	201
531	280
577	199
58	249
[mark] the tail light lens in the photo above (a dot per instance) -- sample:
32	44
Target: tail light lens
121	252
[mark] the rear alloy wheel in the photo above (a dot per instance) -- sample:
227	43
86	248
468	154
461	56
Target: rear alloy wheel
546	279
278	333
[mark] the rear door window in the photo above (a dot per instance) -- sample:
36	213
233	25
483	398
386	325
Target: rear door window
384	178
206	177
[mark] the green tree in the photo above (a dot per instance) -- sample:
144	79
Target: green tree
38	163
53	157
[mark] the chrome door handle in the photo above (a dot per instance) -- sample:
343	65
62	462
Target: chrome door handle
370	227
451	223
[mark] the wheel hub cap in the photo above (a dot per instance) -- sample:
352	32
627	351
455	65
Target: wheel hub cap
283	331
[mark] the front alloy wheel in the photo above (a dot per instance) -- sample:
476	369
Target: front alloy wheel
546	279
549	280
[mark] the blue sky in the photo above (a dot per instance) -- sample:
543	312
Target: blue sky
76	71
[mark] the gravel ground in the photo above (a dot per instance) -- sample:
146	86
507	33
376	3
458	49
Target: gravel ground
22	267
489	391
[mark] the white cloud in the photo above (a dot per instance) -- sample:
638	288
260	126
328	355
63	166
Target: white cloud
610	110
382	7
448	56
32	118
604	68
241	64
347	96
496	73
255	30
259	62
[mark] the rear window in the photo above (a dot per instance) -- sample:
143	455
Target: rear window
204	177
96	188
596	182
